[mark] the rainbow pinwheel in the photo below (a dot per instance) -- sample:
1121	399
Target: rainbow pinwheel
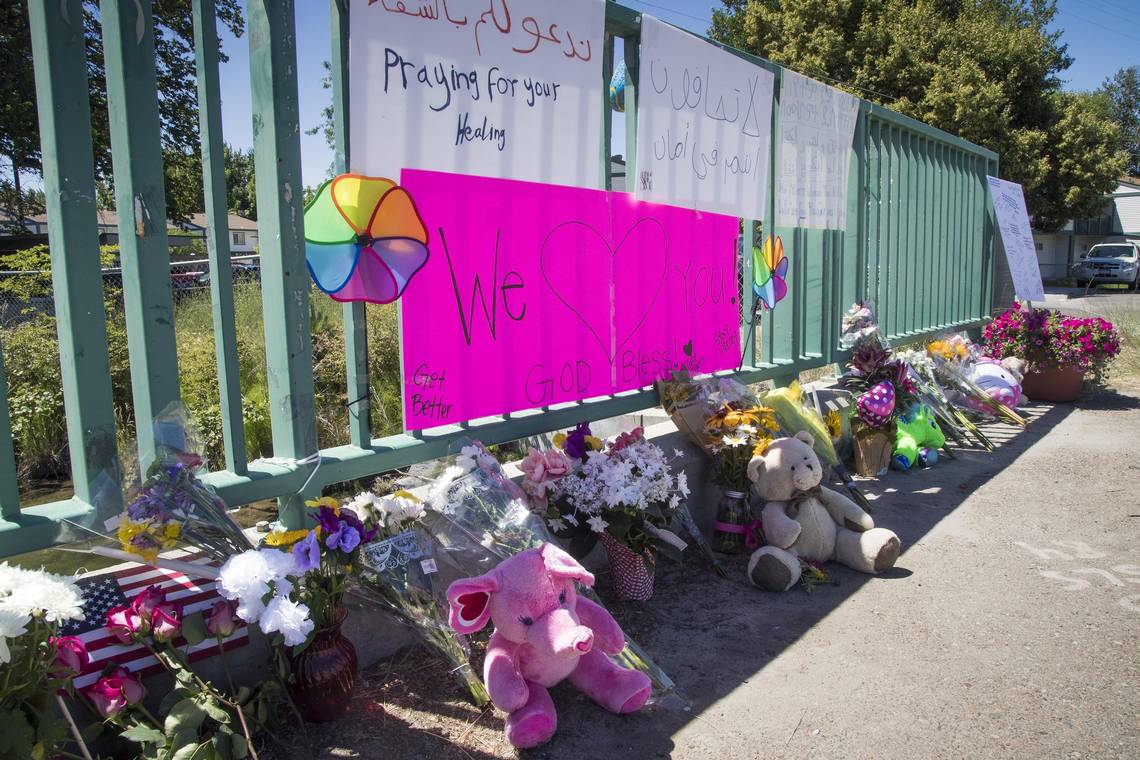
769	268
364	239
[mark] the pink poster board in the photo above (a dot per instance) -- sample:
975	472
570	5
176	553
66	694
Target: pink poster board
539	294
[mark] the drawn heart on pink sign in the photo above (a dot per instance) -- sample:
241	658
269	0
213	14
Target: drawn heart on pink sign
638	265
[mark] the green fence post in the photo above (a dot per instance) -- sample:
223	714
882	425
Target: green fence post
607	111
132	102
63	104
217	234
355	319
285	278
9	487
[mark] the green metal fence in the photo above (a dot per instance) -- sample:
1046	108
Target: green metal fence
919	241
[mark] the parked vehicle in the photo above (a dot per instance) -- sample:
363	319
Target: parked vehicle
1110	262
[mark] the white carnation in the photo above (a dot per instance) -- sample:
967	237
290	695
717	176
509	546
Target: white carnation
12	624
290	619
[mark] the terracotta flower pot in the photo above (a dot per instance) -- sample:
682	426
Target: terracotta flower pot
324	674
1053	383
632	573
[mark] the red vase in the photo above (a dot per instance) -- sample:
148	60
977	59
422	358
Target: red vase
632	573
1053	383
324	674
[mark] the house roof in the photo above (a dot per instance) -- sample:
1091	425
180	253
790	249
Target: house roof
111	219
234	222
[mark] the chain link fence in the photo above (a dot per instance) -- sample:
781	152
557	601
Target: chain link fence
27	294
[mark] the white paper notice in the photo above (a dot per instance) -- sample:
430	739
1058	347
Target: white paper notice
817	123
1017	238
496	88
704	125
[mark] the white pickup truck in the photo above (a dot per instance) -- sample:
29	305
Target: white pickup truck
1110	262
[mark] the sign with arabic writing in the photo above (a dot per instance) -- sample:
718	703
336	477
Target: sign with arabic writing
704	120
1017	238
537	294
498	88
817	123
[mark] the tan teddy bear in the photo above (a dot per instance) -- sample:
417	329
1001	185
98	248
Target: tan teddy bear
804	519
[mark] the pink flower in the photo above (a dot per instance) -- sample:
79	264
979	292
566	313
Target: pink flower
71	656
146	600
542	467
124	623
628	439
220	622
165	621
110	694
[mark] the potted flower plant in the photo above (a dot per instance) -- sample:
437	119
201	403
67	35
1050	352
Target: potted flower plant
1062	351
628	496
882	387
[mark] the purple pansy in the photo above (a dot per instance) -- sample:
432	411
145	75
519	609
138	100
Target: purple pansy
307	552
575	446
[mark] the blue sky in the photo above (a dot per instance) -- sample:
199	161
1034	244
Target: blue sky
1103	36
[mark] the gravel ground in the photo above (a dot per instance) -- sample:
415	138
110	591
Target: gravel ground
1009	628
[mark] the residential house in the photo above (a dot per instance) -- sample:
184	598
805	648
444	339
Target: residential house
242	232
1056	251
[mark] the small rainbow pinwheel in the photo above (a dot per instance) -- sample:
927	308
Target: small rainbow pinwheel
364	239
769	268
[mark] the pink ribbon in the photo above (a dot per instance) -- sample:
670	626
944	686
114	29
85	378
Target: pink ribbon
751	531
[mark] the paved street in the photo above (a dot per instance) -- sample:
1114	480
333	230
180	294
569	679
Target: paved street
1010	628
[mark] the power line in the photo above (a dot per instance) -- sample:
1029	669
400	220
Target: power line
674	10
1102	26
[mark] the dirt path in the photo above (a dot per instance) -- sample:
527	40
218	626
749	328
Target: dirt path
1010	628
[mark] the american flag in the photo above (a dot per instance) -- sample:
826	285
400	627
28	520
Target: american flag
117	585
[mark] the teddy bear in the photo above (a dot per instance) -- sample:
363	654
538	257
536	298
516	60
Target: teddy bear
804	519
544	633
918	438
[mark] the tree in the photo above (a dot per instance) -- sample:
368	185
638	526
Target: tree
241	185
986	70
1122	92
177	94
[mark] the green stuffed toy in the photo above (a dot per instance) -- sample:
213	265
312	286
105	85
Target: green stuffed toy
918	438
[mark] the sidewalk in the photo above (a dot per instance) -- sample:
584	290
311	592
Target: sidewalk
1010	628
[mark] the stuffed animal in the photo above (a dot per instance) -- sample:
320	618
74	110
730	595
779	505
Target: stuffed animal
1000	380
544	633
918	438
803	519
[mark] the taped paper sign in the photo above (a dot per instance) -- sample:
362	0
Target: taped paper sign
817	124
704	120
536	295
1017	238
498	88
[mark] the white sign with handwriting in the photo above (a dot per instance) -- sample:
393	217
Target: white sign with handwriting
817	123
497	88
704	124
1017	238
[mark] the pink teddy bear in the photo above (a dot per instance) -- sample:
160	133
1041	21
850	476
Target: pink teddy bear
544	633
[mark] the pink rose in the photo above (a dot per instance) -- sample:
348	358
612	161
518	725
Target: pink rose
146	600
165	622
557	464
110	694
71	656
124	623
220	622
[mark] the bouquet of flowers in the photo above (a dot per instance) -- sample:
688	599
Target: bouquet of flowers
400	572
628	496
733	435
35	661
951	418
479	517
1047	338
269	588
952	358
173	506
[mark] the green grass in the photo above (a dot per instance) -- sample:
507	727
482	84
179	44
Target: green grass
35	395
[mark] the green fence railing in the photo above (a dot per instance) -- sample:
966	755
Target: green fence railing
919	242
